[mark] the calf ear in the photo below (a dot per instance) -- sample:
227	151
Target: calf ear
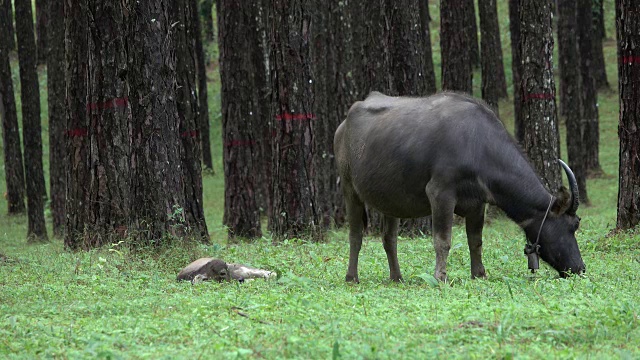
562	201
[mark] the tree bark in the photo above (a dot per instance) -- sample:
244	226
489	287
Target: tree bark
516	68
628	31
30	96
472	28
187	104
77	144
570	78
41	29
599	70
57	117
589	97
455	44
494	85
7	9
13	167
241	118
295	211
157	193
203	102
425	19
538	91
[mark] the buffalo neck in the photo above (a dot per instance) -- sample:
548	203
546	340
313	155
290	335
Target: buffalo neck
517	190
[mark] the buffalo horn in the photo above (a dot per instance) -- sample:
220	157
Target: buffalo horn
573	186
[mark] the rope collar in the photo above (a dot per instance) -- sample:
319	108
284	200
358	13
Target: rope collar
533	250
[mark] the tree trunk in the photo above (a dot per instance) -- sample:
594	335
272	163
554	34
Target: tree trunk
599	70
538	91
31	128
589	97
77	144
425	19
262	95
7	13
157	193
205	11
57	117
516	68
295	211
628	31
241	119
13	167
472	28
41	29
494	85
187	104
455	44
570	78
203	102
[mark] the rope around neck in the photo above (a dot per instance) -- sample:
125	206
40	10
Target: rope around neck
541	225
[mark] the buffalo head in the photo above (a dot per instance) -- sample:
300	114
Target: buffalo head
553	237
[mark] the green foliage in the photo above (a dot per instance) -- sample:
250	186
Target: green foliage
113	303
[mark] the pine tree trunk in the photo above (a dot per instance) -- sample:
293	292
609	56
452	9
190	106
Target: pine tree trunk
41	29
516	68
7	13
203	102
589	97
262	95
425	19
30	96
494	85
456	44
57	117
570	78
76	133
187	103
472	28
241	119
343	96
295	211
538	91
157	193
205	10
628	31
599	70
13	167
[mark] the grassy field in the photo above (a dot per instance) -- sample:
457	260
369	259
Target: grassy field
110	303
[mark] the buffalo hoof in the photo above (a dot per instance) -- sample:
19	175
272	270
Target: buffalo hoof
353	279
441	276
481	274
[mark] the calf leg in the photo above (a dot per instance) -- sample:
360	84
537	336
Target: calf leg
443	203
355	216
474	223
390	241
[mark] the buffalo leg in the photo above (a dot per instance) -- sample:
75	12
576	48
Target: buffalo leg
355	216
390	243
474	223
442	207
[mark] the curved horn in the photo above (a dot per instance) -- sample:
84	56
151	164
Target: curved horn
573	186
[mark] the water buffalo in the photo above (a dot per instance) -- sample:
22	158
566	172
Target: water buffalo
440	155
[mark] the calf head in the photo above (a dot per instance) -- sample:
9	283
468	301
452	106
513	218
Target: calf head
553	236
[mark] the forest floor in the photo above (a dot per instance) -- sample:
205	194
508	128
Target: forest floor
111	303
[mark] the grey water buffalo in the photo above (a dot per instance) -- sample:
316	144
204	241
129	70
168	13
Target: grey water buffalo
217	270
440	155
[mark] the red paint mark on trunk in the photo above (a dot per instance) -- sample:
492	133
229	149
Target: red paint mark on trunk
190	133
109	104
628	60
542	96
77	132
289	116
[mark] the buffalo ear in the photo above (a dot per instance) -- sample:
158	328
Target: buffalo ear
562	201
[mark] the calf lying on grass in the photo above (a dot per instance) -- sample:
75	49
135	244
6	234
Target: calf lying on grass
215	269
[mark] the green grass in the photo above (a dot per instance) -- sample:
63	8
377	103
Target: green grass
111	303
